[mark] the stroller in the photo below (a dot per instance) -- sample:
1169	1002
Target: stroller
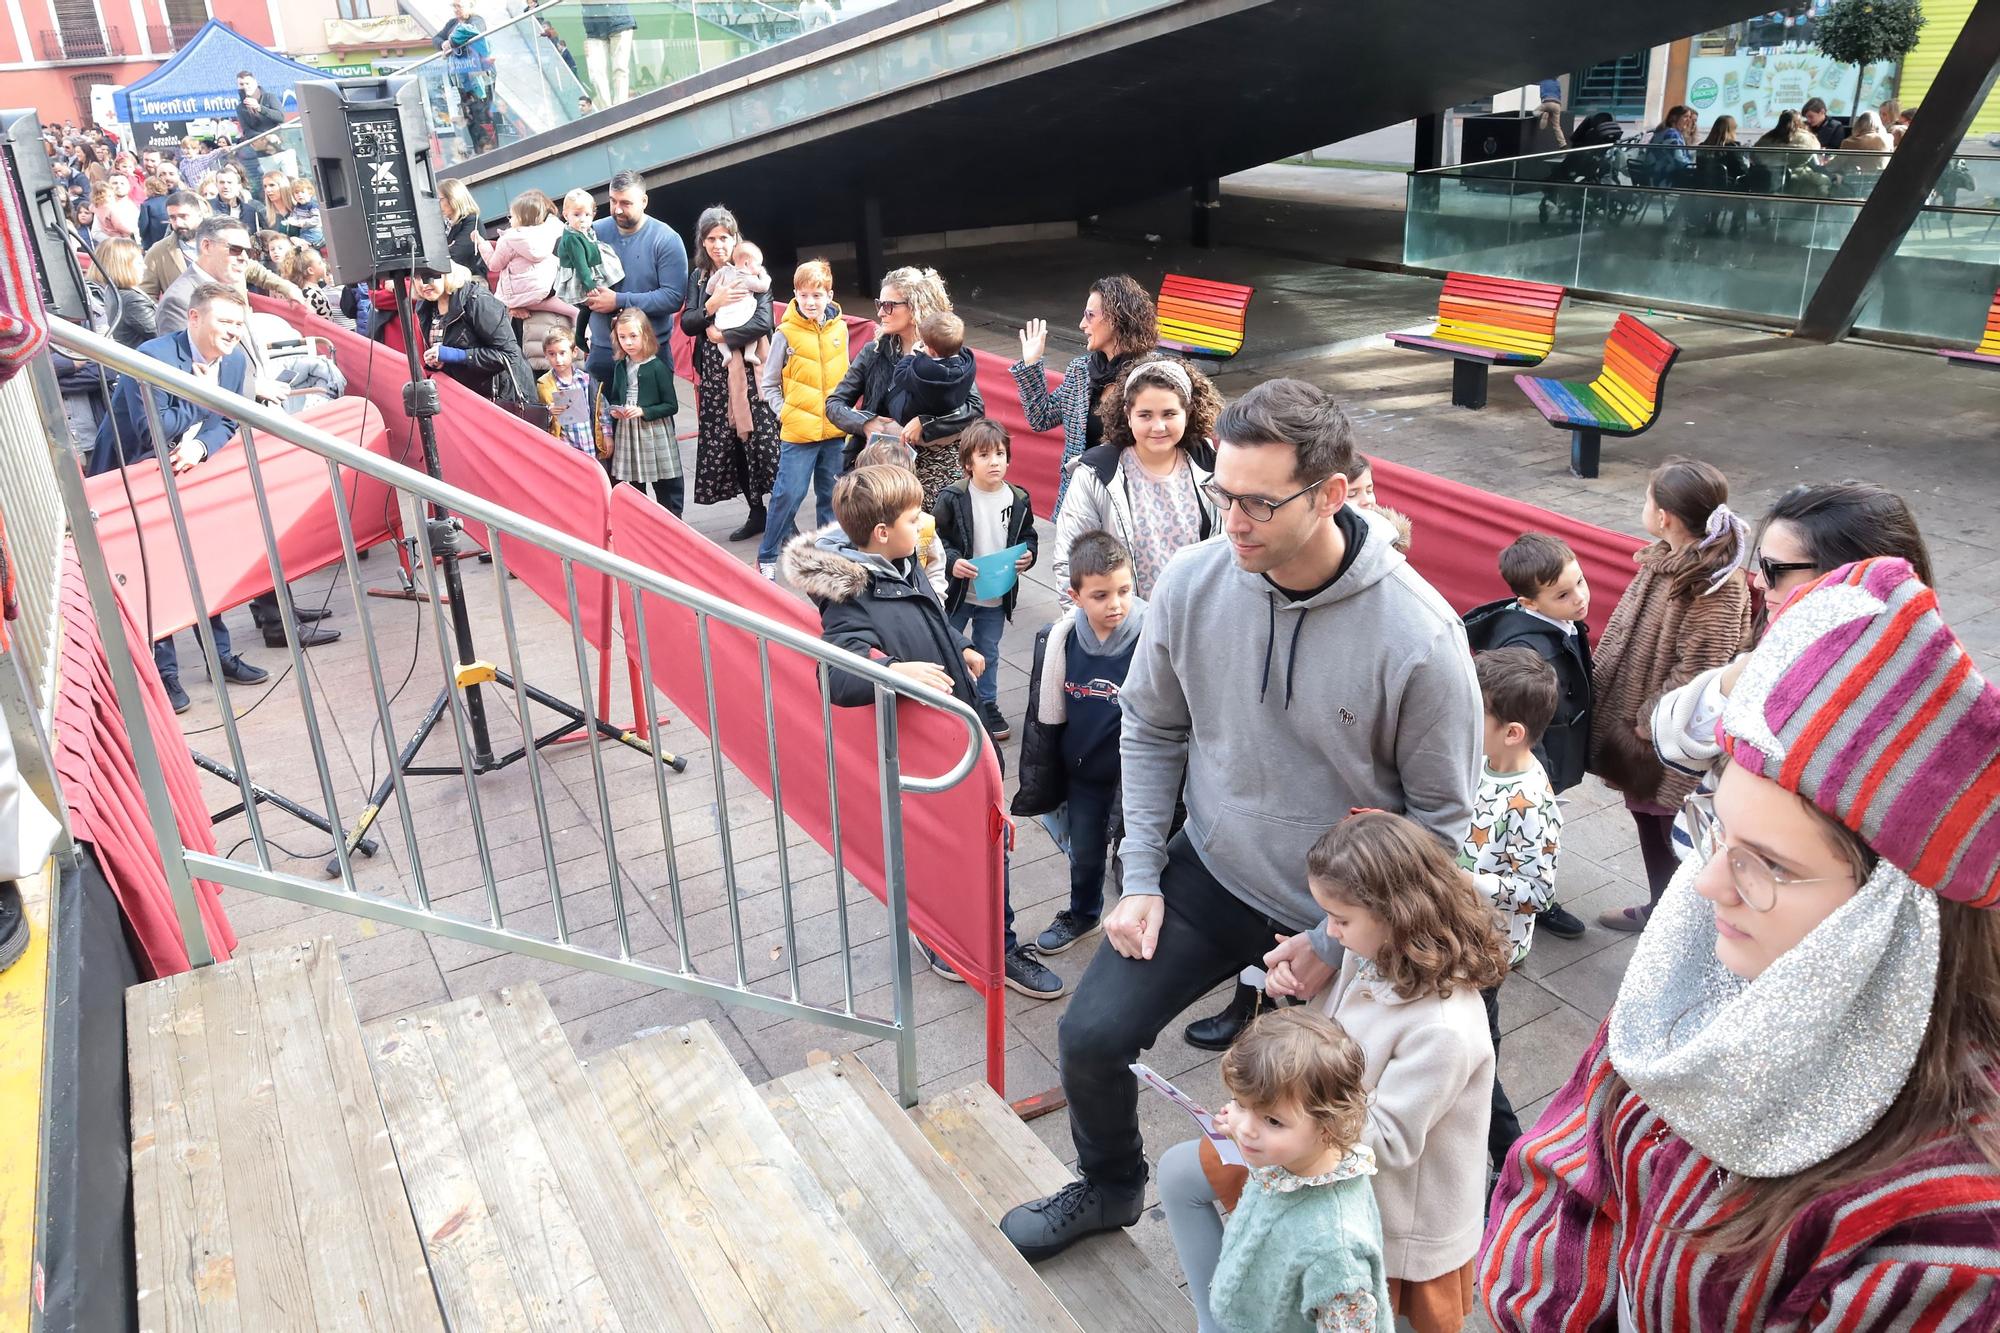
1597	157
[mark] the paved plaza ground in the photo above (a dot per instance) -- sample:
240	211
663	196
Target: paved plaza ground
1766	409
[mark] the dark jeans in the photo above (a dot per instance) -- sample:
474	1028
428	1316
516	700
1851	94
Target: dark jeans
167	661
1505	1126
1089	845
988	623
1656	849
671	493
1121	1005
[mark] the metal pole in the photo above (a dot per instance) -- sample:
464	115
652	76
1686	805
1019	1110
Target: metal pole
1892	207
423	406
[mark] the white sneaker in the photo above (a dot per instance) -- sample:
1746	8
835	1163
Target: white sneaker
768	569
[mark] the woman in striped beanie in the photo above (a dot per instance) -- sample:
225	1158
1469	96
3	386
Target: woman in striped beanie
1791	1119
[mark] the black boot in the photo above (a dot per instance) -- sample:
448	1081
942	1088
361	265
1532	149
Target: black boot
1215	1034
753	526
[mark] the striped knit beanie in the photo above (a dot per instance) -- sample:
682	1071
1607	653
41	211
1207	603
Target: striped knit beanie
1861	700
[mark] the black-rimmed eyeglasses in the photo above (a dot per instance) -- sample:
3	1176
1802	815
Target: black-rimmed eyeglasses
1257	507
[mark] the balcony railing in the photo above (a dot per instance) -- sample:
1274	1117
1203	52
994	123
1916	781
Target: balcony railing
171	37
81	45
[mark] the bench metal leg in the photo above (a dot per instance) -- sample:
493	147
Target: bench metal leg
1468	384
1583	451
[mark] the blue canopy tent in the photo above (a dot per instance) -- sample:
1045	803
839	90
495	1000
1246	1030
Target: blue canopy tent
199	85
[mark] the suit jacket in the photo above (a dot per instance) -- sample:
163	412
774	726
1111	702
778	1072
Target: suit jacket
127	417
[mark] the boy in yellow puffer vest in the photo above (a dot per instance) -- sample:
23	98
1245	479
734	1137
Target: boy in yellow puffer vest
808	358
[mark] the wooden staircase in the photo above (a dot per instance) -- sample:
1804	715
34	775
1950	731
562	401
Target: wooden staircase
461	1169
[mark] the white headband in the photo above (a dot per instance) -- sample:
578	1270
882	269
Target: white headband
1173	370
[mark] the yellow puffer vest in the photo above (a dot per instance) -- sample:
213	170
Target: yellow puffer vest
814	363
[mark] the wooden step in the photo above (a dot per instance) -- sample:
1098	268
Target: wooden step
264	1188
521	1191
952	1271
753	1227
1106	1282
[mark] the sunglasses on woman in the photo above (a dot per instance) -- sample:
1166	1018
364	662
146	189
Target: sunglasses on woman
1773	570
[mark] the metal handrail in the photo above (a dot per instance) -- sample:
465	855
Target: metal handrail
533	11
1697	148
84	345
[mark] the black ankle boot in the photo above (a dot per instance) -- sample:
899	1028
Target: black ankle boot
753	526
1215	1034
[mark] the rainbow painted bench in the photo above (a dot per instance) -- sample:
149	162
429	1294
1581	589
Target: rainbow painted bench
1485	322
1203	318
1988	351
1623	400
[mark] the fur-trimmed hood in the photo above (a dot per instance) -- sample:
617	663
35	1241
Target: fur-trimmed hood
829	568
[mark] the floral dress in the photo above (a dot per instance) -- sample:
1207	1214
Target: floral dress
1166	515
724	466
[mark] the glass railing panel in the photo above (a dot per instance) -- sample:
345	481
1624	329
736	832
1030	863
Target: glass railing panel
1938	285
1500	227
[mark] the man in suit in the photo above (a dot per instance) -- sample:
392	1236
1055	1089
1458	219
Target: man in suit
222	255
208	348
174	253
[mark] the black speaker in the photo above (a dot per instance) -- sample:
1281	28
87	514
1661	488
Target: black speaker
370	151
44	207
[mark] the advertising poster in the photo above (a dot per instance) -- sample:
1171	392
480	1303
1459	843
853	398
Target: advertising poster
1754	86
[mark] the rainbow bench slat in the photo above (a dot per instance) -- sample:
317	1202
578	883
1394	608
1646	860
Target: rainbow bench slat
1484	322
1199	317
1623	400
1988	351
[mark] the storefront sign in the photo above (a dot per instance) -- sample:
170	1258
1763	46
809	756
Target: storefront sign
1754	86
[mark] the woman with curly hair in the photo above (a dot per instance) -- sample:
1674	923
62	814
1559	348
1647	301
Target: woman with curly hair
1119	326
1143	484
857	404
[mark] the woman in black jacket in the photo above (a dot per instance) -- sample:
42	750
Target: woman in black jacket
726	464
461	219
120	266
469	337
909	296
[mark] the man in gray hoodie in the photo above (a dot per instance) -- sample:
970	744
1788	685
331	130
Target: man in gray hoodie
1295	668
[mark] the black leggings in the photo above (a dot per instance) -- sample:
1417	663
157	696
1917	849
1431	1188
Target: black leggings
1656	848
672	494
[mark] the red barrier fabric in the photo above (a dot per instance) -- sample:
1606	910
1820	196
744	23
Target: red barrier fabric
100	781
954	885
1458	532
1036	457
495	456
224	527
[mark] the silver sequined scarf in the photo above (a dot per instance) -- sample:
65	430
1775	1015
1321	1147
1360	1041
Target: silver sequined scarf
1773	1075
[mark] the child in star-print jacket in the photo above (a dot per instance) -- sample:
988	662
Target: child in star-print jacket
1516	828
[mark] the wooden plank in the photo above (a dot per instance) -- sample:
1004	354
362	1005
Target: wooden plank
181	1204
950	1268
1105	1281
406	1297
349	1290
466	1258
269	1252
780	1232
679	1207
148	1242
552	1264
640	1272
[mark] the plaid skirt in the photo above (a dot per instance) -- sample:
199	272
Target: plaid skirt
644	451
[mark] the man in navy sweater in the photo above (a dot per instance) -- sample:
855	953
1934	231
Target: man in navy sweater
656	274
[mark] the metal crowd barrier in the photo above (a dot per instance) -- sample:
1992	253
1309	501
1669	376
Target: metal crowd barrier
184	865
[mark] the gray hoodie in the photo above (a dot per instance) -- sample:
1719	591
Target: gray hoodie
1288	715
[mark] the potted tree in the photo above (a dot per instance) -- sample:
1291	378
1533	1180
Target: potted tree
1862	32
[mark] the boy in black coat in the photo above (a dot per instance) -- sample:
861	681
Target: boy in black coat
874	600
979	514
1069	750
1546	613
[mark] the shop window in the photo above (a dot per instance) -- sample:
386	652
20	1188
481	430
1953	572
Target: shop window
1617	86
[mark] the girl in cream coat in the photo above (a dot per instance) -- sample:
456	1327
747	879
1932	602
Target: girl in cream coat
1421	944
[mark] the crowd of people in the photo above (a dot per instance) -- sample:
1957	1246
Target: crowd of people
1303	770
